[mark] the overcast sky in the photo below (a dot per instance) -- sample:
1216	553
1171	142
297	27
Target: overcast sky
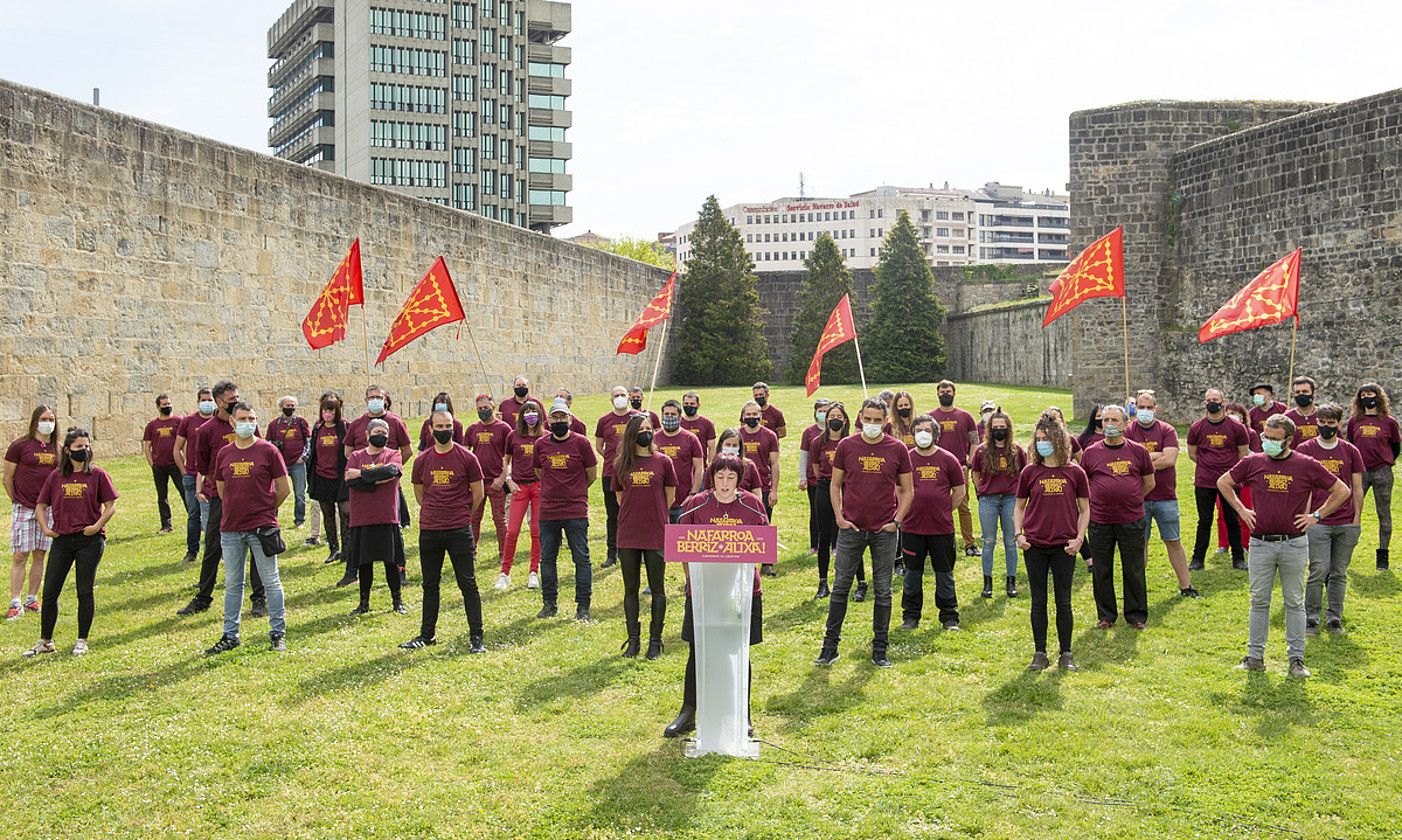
677	100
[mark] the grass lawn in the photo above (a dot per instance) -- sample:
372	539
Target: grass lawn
552	734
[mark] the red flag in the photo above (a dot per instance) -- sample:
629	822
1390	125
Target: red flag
1098	271
433	303
840	329
325	324
657	311
1269	299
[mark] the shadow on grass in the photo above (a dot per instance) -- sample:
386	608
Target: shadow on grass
1280	707
362	674
656	793
147	573
577	684
119	688
1372	583
1023	697
1334	657
1119	645
819	696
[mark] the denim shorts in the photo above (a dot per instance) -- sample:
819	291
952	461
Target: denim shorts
1165	513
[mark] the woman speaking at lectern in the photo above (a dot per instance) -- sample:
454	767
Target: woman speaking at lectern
723	504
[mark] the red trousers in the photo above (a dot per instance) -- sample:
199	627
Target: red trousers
526	495
1244	493
497	499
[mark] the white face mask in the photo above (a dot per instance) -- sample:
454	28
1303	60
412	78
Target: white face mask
45	427
871	430
732	451
923	439
620	403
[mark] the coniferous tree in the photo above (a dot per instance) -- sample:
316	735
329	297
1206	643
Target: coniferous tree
721	320
827	281
903	342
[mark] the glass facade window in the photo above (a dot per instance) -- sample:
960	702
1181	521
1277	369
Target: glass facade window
464	124
408	173
548	70
416	98
551	165
465	196
463	16
402	24
464	88
541	100
463	52
407	61
397	135
488	147
549	198
542	132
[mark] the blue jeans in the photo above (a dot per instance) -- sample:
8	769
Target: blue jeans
993	509
237	545
851	545
298	474
195	513
576	531
1291	559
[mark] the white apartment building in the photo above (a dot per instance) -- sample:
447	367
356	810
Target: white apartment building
994	224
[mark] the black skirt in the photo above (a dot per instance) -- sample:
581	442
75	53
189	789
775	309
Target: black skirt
756	619
326	489
370	544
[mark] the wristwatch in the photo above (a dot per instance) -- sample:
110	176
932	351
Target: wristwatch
1318	517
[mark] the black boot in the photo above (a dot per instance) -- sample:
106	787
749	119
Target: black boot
685	722
654	647
1382	559
1012	586
988	586
362	609
475	644
861	593
822	589
630	647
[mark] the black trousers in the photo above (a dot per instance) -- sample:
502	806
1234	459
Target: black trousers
631	561
1040	560
367	579
165	476
611	509
70	551
812	516
940	549
1130	540
330	512
1206	498
827	531
214	558
458	545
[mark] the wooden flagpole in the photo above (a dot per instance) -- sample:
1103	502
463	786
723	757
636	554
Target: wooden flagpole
1124	322
365	340
483	365
860	372
657	363
1294	330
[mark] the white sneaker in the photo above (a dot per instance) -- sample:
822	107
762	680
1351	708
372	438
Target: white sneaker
80	647
533	581
503	581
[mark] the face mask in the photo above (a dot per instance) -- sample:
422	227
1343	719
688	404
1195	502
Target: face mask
636	403
45	427
762	401
375	405
1303	400
644	438
521	392
328	416
440	406
532	419
987	415
946	400
379	441
1112	430
1272	447
671	424
1328	432
1240	420
1258	399
924	439
871	430
443	436
560	428
79	456
245	429
1045	448
835	425
288	411
484	414
1214	407
1095	424
1368	402
164	410
730	451
1146	416
206	406
903	412
999	434
620	402
690	410
752	422
820	417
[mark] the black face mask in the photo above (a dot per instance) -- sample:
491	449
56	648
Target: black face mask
1303	400
443	435
752	422
946	400
288	411
636	403
690	410
835	425
522	392
164	410
1368	402
644	438
1095	424
379	440
1214	407
560	428
79	456
762	401
903	412
1328	432
998	434
484	414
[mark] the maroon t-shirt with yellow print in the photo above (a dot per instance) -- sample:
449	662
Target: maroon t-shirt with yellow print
1052	513
870	474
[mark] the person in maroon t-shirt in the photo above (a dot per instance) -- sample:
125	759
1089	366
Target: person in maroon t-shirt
518	474
1263	405
807	470
1285	486
442	401
696	423
995	465
1331	542
770	417
196	510
1373	429
761	445
958	437
292	435
871	492
565	467
447	483
511	406
326	474
158	445
28	463
373	473
251	476
377	406
487	440
635	402
928	527
1305	413
1051	518
576	425
1216	443
607	432
646	484
729	444
1237	412
1121	475
687	454
1161	504
79	500
821	451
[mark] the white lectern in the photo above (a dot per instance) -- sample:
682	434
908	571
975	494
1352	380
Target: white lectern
720	615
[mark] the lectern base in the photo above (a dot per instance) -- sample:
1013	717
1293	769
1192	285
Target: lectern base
749	748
